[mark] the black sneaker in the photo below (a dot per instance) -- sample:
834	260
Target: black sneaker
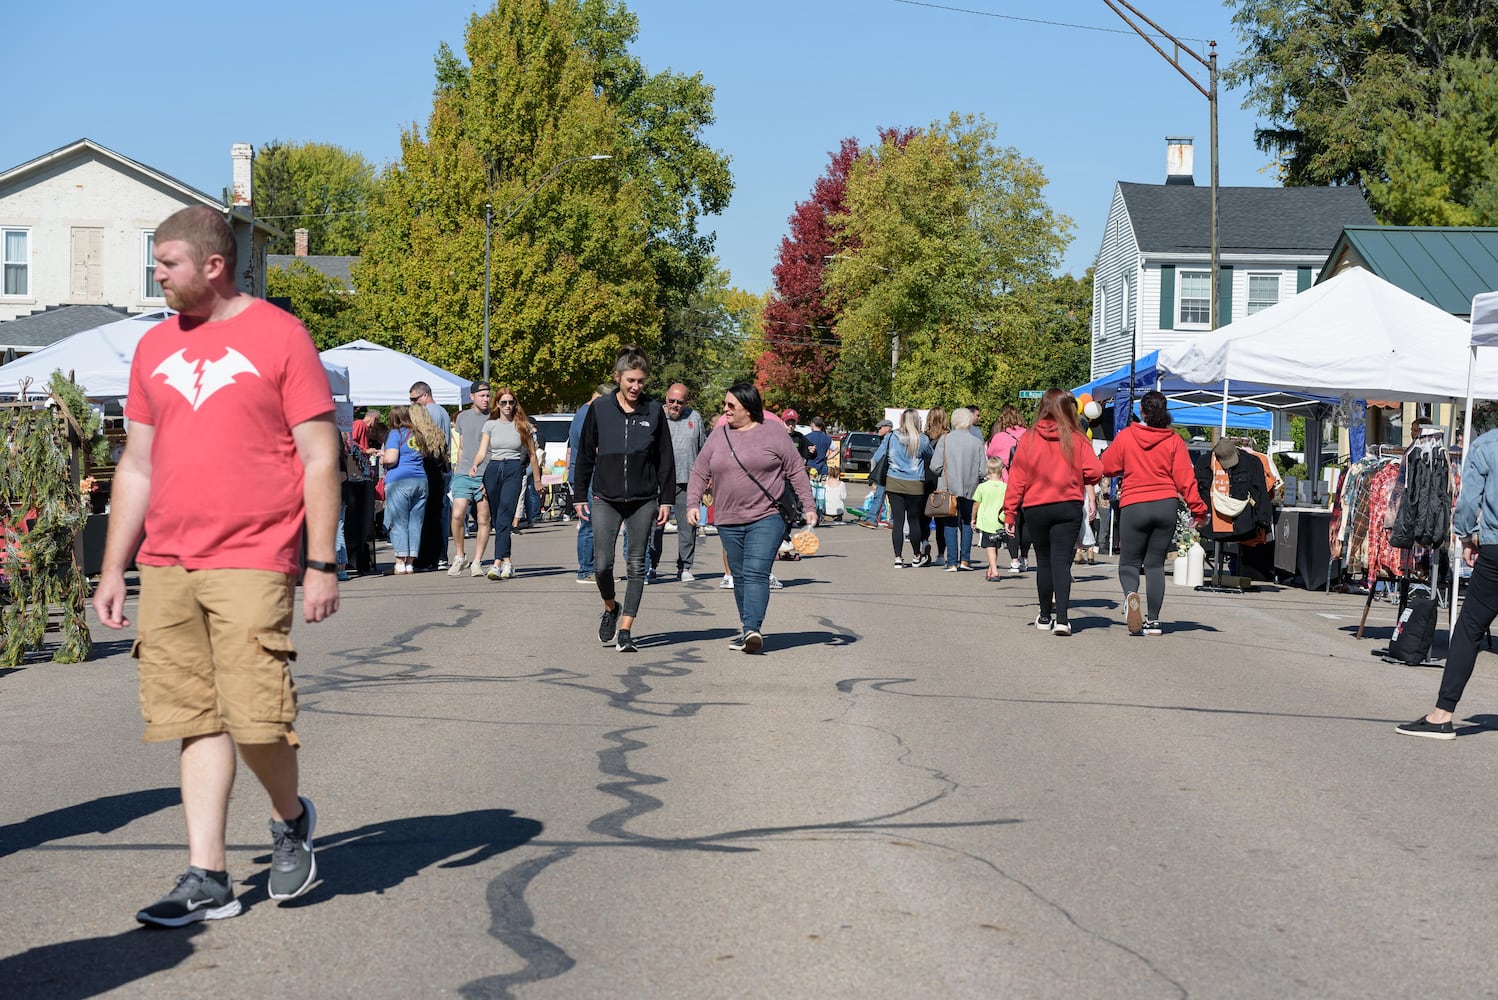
1153	628
737	643
625	643
608	625
753	641
197	896
1044	622
292	865
1430	730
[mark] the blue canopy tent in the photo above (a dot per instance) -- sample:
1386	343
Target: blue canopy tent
1188	405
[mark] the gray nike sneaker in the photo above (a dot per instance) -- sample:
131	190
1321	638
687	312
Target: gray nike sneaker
196	896
293	867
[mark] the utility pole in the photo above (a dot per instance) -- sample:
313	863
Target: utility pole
1210	93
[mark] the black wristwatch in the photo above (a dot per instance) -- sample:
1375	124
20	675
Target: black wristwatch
322	567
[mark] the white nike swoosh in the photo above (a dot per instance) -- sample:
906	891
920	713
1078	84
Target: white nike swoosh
197	904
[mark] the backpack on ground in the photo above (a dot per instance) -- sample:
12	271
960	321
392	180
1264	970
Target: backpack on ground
1414	633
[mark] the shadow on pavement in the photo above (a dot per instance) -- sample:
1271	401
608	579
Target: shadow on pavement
790	640
97	816
87	968
380	856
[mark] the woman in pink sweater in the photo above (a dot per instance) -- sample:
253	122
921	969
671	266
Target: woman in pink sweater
748	460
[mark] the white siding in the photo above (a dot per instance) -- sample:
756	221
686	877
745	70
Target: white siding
1115	289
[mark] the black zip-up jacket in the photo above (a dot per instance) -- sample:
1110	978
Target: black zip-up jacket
627	456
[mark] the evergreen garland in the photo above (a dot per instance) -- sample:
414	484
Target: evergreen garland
39	475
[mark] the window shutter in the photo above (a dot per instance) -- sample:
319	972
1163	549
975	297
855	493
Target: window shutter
1225	295
1167	296
1302	279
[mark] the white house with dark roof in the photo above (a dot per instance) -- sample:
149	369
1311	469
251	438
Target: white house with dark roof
1151	283
77	227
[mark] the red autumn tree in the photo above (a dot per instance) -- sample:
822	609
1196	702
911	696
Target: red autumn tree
800	321
800	336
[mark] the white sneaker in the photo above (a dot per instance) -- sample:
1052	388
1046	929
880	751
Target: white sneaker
506	571
456	569
711	529
476	568
670	528
726	583
686	576
774	583
1015	566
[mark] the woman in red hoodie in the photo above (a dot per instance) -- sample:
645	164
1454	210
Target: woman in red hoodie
1052	463
1157	475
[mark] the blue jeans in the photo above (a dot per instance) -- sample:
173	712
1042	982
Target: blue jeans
502	481
405	507
751	549
585	545
340	550
963	522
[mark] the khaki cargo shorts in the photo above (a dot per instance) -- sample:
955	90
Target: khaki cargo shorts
214	652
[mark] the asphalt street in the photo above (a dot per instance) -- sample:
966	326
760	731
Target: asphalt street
910	793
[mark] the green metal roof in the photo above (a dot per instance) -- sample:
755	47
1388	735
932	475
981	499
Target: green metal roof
1444	265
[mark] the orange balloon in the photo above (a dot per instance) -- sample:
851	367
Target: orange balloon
1083	400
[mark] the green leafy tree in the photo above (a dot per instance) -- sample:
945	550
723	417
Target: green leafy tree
1045	337
1332	76
1442	166
322	188
947	226
586	255
703	347
323	304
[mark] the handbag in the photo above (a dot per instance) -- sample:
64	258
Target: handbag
788	506
1229	507
942	503
879	472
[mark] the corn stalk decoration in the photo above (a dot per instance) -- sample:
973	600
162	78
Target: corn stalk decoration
42	512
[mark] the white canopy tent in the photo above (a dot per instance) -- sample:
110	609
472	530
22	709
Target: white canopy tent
99	360
382	376
1354	335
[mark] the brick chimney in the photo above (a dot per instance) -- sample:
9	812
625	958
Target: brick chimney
301	241
1179	160
243	155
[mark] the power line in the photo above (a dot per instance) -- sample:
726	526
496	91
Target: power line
1028	20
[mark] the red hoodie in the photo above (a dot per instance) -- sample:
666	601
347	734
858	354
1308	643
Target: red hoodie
1041	474
1154	465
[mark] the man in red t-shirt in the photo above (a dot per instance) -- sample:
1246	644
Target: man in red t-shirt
222	535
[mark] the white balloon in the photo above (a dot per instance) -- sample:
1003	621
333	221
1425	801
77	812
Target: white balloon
1092	410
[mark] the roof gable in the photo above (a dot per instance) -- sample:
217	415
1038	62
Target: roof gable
55	323
1175	218
336	267
1444	265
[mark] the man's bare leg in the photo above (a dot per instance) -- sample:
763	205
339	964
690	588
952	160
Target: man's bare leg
206	768
276	766
457	525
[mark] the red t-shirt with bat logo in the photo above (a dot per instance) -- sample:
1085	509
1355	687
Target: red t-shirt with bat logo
226	482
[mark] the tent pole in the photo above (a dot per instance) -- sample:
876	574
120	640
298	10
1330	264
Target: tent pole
1224	407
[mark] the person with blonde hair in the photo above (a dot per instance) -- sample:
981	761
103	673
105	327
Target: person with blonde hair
510	443
406	486
959	463
1051	466
905	485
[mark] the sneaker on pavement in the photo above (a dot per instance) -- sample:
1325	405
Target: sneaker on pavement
441	564
608	625
456	569
624	643
506	571
669	529
775	584
1424	727
711	529
1060	628
585	578
196	896
476	568
901	563
1044	622
1014	566
753	641
292	865
686	576
1153	628
737	643
493	573
726	583
1133	615
949	569
1024	565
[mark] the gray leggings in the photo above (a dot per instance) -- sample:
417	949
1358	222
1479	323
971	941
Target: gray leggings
1146	531
638	519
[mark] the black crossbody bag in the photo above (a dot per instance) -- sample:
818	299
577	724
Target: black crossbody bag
788	506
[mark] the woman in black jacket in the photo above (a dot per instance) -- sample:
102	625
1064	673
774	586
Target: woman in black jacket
625	451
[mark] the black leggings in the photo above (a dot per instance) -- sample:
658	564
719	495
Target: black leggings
1145	533
1019	541
1054	528
907	510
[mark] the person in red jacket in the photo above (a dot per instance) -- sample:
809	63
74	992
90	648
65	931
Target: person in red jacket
1157	475
1052	463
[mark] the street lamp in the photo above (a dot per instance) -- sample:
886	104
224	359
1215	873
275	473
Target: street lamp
510	208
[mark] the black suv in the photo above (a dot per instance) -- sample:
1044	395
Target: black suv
858	452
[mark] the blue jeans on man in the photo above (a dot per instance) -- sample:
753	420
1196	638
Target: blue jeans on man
751	549
585	545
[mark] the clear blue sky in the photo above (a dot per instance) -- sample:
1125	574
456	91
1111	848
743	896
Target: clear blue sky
174	84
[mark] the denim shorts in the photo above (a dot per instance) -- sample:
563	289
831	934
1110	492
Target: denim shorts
468	487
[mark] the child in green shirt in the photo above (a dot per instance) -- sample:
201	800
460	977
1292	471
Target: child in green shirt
988	515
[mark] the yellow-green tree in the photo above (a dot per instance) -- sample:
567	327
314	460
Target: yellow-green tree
941	229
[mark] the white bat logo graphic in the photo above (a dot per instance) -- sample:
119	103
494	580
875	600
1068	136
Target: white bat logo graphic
197	380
